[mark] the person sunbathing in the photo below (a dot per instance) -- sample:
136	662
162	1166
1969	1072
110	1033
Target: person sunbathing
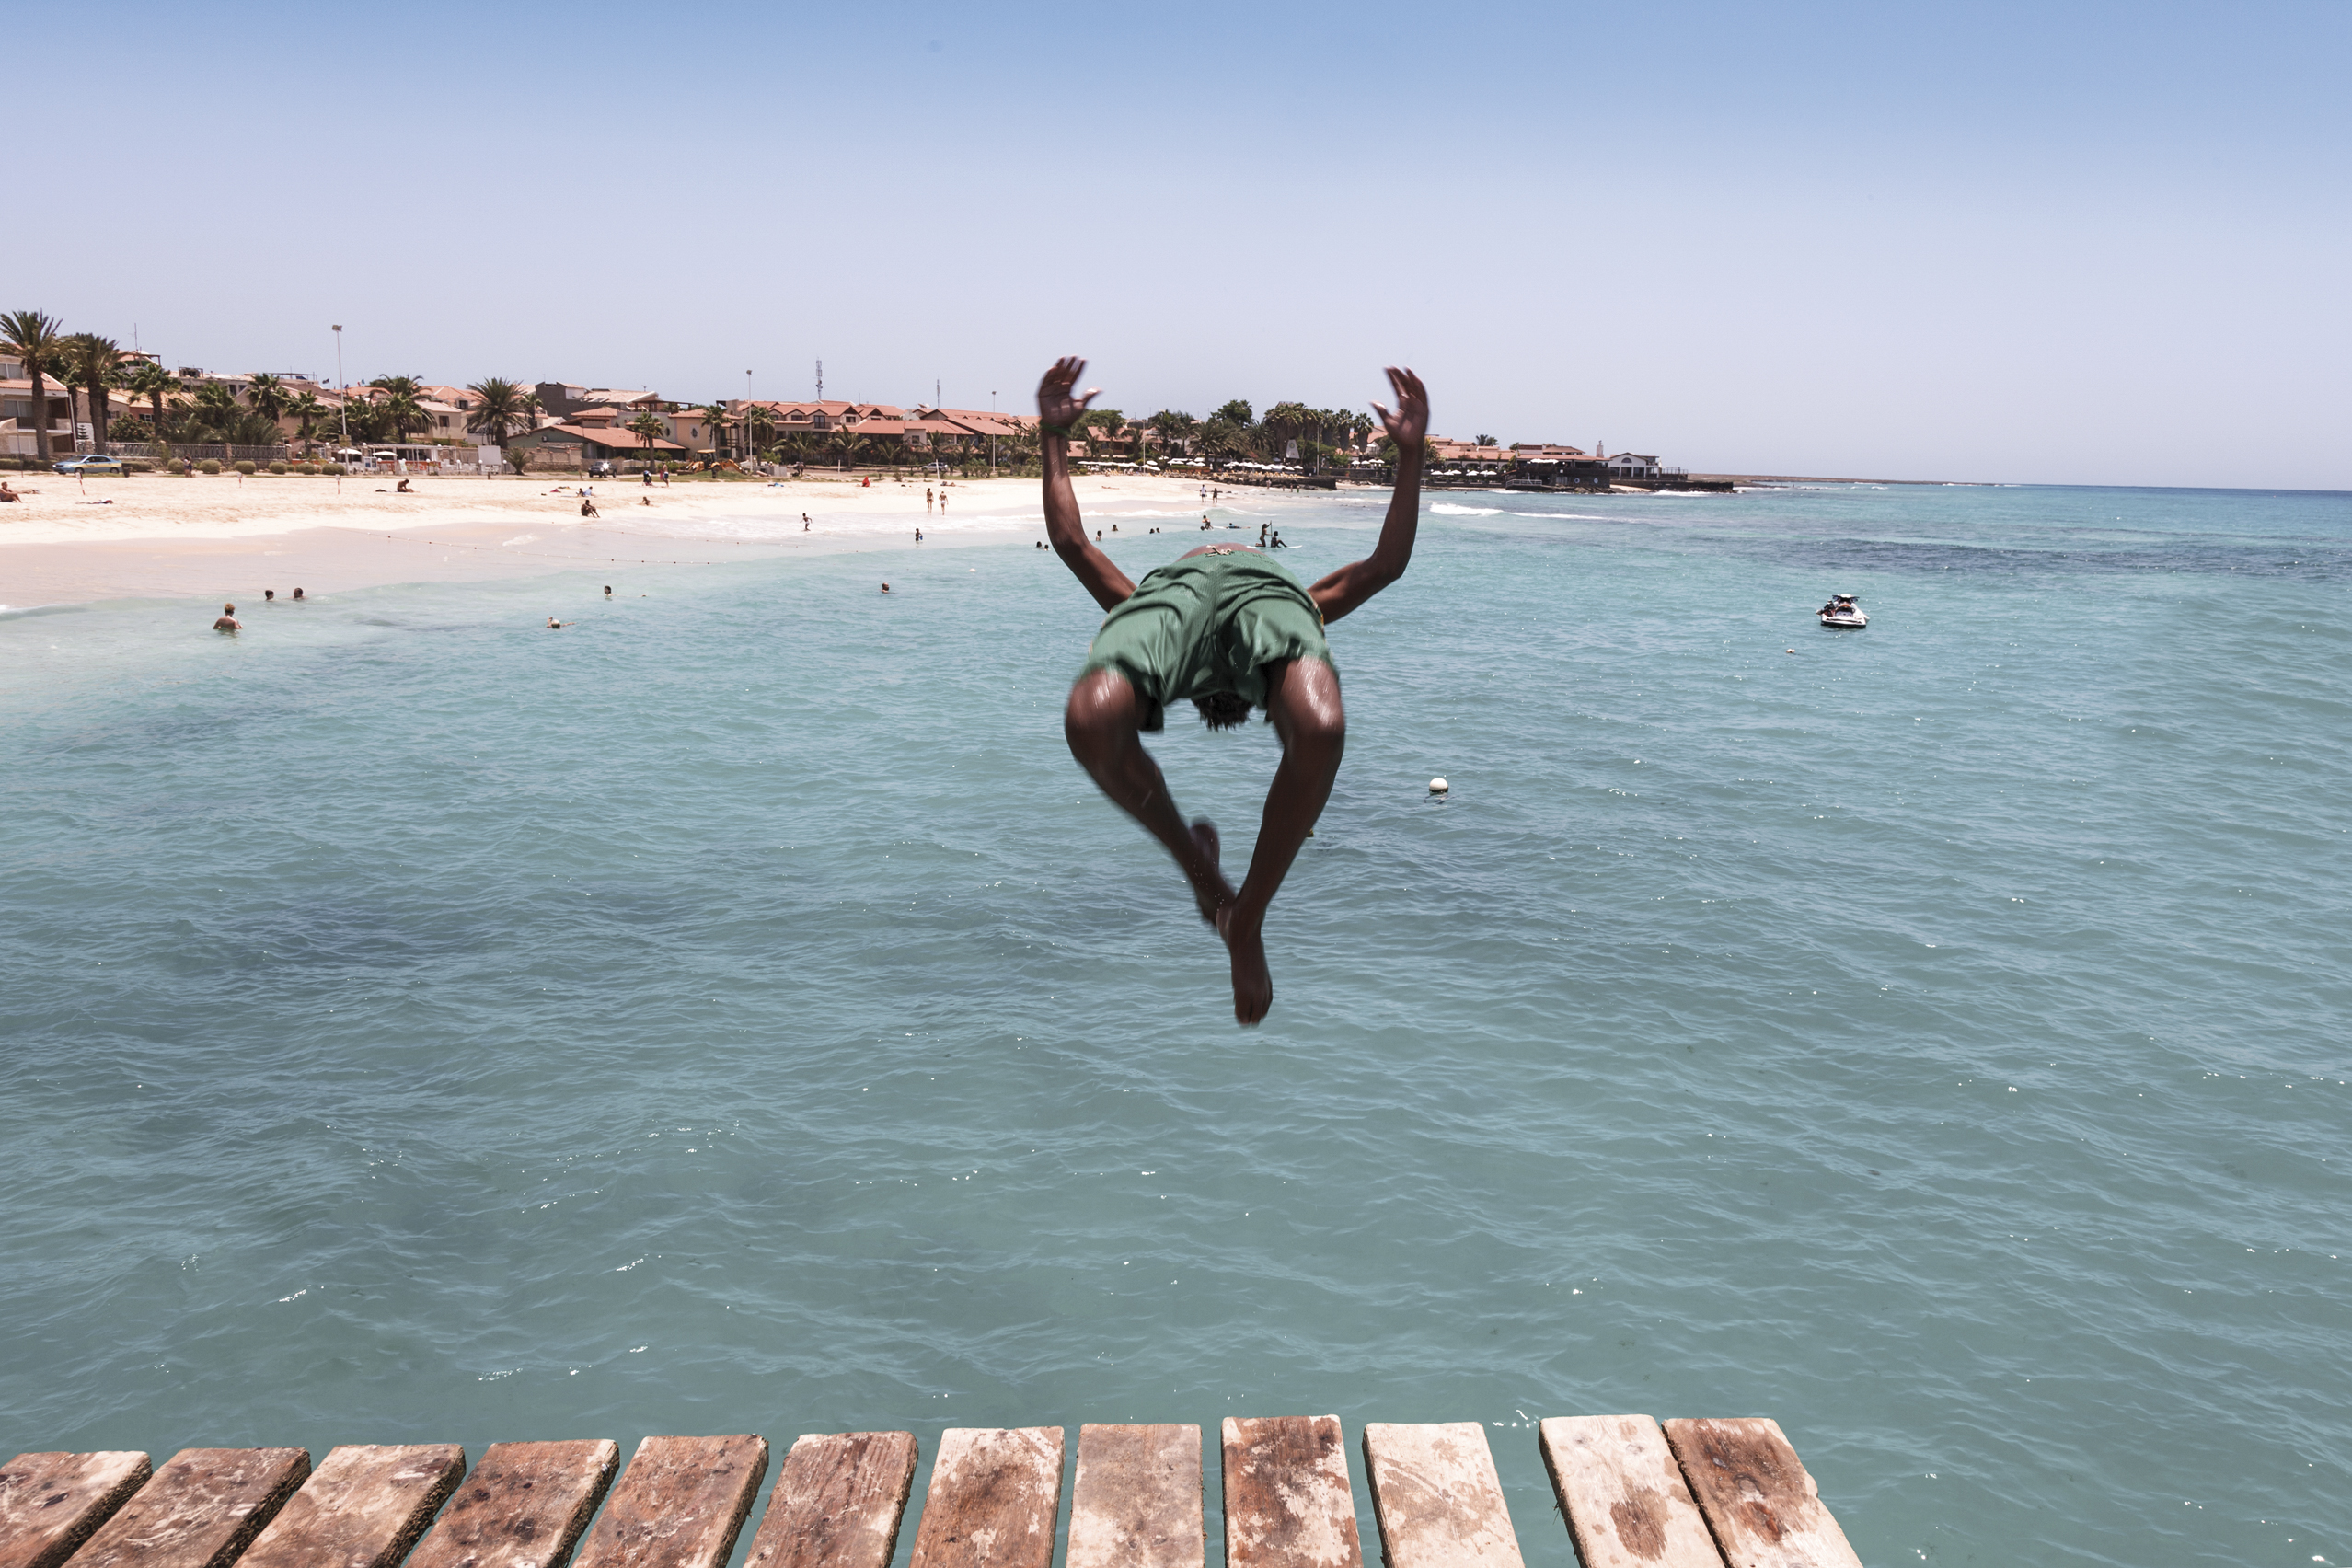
1229	631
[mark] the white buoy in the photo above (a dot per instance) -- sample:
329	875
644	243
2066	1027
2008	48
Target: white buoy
1438	786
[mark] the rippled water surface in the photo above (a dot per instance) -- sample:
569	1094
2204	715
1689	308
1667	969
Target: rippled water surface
736	1013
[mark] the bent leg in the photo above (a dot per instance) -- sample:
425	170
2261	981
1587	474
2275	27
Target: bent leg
1303	699
1103	722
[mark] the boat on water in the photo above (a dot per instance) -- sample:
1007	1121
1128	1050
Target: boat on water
1841	613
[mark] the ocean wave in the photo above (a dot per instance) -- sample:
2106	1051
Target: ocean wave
1447	508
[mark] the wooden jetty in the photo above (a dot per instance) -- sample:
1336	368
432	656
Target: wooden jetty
1634	1493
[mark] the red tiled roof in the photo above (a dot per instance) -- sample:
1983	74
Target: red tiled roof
612	436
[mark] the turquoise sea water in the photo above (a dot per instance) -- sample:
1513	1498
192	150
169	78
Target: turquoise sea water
736	1013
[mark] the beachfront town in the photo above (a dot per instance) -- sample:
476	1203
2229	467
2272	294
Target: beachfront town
95	398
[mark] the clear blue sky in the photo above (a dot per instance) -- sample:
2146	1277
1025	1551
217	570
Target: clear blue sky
2077	242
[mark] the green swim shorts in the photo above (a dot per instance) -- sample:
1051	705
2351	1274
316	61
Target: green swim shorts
1209	624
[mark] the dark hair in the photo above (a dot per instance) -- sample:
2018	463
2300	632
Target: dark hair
1223	710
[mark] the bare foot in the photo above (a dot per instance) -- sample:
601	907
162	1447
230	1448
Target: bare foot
1252	984
1210	888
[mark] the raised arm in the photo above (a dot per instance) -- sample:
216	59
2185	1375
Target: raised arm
1357	581
1058	408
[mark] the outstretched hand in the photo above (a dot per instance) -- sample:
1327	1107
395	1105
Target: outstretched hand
1409	424
1059	403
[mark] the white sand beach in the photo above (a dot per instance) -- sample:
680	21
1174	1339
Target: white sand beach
220	537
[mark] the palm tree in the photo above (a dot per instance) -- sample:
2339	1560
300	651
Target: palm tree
215	409
268	394
1285	422
759	426
401	410
309	413
648	427
400	405
715	416
150	381
93	362
1175	428
498	410
33	337
850	445
366	419
1221	440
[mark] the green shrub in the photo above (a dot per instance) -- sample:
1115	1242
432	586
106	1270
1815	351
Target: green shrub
248	466
332	468
278	465
137	464
210	465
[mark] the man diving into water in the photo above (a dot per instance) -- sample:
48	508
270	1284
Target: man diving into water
1228	629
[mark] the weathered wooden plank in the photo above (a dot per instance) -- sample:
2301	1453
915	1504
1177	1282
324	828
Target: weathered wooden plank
523	1507
1757	1497
995	1493
1435	1497
50	1504
679	1505
1136	1502
364	1508
1623	1494
1286	1498
838	1502
201	1510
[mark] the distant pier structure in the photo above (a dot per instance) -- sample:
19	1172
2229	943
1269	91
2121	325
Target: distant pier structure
1634	1493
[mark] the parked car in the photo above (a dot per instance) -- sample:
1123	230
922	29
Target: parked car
601	469
89	464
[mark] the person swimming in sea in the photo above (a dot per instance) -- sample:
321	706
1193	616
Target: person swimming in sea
229	621
1229	631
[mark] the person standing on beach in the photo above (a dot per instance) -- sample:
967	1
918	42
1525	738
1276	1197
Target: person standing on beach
1228	629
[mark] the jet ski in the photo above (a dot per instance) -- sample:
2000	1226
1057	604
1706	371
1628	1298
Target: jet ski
1841	613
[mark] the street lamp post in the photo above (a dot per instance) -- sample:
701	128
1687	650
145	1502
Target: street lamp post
742	426
343	392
